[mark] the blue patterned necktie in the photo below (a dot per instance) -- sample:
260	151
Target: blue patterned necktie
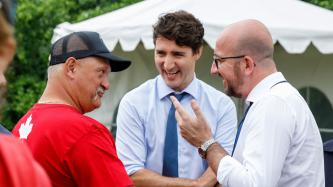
170	156
240	128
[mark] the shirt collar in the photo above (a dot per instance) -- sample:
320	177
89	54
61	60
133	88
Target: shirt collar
164	90
264	86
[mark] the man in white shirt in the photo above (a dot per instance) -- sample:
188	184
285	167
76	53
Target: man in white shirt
278	142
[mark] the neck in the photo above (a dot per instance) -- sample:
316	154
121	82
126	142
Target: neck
256	78
48	99
51	95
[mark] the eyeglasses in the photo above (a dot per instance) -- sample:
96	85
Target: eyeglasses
218	60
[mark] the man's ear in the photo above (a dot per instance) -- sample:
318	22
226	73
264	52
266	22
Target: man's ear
249	65
70	66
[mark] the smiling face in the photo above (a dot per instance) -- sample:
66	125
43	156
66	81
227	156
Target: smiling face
92	80
228	61
230	72
176	64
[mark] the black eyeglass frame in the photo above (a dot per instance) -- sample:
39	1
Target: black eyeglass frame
217	58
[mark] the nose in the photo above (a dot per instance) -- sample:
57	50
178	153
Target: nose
168	63
106	83
213	69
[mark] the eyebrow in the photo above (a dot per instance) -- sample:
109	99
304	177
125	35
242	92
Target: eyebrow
178	52
103	67
173	52
160	51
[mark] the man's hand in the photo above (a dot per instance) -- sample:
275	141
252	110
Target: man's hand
194	129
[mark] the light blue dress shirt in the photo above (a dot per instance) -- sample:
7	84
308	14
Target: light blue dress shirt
141	126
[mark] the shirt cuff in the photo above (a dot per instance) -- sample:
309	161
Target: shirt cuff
228	167
131	170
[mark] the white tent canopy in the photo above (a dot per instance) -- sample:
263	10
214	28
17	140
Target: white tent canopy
293	23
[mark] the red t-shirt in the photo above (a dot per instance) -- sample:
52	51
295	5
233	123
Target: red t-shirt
75	150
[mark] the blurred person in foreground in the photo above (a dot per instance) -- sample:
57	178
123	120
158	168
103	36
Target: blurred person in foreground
7	49
278	142
148	141
7	41
17	165
74	149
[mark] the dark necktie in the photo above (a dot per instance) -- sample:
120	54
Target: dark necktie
240	127
170	156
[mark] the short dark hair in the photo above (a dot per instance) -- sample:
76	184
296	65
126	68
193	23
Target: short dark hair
181	27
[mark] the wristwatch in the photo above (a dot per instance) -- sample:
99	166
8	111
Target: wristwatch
202	150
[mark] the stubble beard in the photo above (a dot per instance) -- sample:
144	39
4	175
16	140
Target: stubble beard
237	83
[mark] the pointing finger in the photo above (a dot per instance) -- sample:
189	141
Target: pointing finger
197	110
179	108
178	118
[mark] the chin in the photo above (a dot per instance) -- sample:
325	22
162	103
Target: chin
92	107
97	105
173	86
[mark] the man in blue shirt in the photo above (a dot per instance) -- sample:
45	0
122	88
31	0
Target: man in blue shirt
143	120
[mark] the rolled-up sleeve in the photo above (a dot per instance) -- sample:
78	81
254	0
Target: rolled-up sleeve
130	142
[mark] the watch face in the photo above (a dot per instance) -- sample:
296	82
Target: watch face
202	153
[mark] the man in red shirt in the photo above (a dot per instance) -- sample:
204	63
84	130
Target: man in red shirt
74	149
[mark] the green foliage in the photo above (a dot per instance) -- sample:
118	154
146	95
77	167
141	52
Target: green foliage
35	21
23	94
323	3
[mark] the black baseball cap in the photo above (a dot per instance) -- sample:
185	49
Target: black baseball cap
84	44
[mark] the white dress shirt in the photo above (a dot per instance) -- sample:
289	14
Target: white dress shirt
142	119
279	144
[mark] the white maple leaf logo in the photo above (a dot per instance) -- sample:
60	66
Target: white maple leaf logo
25	128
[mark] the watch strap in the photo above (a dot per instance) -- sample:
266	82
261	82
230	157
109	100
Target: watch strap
207	144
